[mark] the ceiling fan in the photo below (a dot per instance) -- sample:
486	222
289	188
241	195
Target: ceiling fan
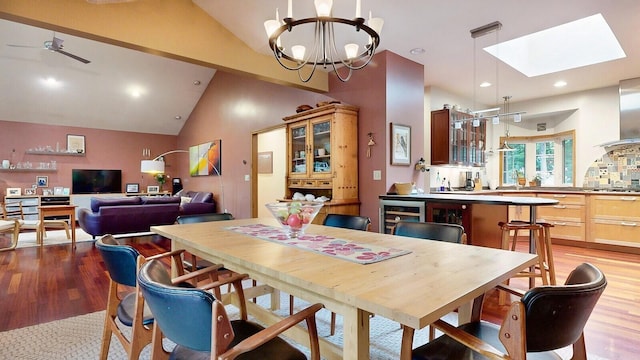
55	45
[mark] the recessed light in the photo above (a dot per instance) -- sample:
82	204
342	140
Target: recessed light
178	117
579	43
417	51
196	82
51	82
560	83
485	84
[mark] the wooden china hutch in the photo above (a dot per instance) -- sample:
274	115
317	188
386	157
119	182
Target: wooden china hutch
322	157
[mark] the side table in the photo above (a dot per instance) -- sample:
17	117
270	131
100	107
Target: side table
57	210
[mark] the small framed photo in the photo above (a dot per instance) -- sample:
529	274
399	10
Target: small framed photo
75	144
30	191
42	181
13	191
400	144
57	190
47	192
153	189
133	188
66	191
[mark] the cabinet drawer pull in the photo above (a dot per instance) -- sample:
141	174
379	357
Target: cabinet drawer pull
628	198
559	196
560	206
628	224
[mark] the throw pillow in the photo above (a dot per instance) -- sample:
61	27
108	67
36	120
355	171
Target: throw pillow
184	200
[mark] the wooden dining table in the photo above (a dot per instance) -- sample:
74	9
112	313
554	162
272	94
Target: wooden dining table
414	289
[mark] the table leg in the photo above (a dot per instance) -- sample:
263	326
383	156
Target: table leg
356	334
73	228
532	243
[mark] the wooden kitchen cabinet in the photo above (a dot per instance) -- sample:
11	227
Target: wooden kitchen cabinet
322	157
615	219
455	139
568	216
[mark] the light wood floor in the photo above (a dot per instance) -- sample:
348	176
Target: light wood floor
38	285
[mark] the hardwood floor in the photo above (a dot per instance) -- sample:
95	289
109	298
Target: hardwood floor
40	285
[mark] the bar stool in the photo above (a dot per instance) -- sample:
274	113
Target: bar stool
543	248
538	233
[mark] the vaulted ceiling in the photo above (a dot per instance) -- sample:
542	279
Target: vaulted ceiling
98	94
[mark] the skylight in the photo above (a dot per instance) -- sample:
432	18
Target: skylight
575	44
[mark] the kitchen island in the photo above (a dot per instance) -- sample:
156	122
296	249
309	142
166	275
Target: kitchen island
478	214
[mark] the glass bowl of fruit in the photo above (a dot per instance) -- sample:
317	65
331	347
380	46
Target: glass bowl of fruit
294	216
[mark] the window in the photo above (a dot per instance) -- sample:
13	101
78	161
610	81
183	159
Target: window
548	157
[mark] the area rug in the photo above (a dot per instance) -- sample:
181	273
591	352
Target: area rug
323	244
54	237
80	337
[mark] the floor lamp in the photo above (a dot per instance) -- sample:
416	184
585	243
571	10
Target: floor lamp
156	166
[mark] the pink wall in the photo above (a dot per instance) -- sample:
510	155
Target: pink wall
390	89
231	108
105	149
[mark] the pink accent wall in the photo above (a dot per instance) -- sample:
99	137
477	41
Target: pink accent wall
389	90
105	149
231	108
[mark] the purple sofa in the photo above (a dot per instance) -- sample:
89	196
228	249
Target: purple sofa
128	215
200	202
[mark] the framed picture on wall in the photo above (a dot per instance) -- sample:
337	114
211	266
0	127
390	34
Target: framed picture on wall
13	191
42	181
400	144
153	188
75	143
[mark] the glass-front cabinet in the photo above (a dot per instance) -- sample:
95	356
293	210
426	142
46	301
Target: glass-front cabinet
322	157
311	155
457	138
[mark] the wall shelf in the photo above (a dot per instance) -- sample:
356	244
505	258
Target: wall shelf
53	153
29	170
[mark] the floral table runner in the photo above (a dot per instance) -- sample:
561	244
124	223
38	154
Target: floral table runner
327	245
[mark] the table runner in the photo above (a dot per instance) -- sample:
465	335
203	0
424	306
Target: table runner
323	244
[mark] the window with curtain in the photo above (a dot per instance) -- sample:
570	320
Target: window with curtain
548	157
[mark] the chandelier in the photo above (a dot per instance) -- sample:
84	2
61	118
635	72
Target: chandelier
324	51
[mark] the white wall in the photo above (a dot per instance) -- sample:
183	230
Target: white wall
271	186
593	114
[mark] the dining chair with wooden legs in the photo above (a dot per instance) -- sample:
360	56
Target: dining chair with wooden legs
544	319
129	308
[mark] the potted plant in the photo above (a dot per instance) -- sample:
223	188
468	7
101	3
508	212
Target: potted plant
522	181
161	179
535	181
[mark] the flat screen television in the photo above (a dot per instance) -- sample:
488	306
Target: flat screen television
84	181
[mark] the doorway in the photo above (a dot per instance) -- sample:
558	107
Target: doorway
269	170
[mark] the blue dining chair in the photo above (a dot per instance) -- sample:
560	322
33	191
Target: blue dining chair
130	310
546	318
198	322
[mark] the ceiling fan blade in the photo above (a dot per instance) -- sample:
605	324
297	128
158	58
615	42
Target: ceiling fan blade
25	46
73	56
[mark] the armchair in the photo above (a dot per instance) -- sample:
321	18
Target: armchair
546	318
198	323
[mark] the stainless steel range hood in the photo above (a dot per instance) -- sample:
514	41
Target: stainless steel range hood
629	113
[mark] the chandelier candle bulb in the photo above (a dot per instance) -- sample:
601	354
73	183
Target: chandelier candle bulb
289	9
323	7
351	50
358	8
